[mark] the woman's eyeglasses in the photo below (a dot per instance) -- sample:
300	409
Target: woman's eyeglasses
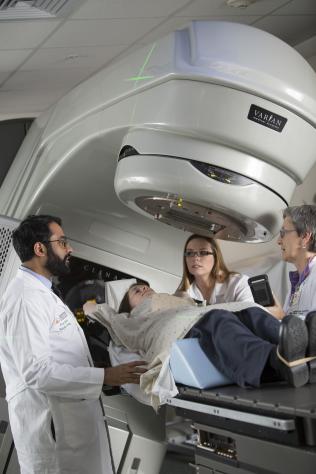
197	253
283	232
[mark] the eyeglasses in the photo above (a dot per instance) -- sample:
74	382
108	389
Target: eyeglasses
63	242
285	231
197	253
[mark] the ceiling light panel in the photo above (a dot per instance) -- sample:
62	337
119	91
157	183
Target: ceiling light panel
36	9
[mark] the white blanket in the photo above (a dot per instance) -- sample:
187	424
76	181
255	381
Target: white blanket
153	383
164	386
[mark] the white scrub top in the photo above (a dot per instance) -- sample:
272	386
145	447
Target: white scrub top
235	288
52	391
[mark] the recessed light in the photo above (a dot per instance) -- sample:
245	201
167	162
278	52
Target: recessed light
239	3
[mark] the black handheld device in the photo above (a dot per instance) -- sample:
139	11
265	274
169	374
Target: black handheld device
261	290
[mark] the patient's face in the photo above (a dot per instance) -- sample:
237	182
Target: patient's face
138	293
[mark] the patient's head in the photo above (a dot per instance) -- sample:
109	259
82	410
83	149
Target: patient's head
135	295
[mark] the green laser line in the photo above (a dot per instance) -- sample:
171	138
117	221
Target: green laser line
140	76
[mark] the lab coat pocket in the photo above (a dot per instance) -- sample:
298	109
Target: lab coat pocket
75	424
27	424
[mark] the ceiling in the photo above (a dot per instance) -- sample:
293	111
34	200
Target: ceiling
42	59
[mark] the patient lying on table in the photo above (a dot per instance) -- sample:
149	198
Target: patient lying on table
242	340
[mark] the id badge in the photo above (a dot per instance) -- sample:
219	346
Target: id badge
294	304
296	297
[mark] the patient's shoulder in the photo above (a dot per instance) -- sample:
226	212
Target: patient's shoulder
104	310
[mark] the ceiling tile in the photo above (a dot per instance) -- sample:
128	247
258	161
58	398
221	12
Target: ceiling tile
3	77
11	59
101	32
59	58
219	7
25	34
179	22
46	80
31	104
291	29
166	27
128	8
298	7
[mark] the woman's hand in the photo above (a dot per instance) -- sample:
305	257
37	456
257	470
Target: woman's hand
276	310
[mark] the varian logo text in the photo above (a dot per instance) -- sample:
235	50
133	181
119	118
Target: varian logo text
266	118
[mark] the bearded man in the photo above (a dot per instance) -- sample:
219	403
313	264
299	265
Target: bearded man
52	388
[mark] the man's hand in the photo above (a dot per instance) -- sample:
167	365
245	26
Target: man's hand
124	373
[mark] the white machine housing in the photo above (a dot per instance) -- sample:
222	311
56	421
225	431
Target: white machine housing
188	102
231	122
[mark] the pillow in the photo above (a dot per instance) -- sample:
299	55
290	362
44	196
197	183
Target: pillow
115	291
190	365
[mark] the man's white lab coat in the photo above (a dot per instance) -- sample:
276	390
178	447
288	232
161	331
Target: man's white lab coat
51	389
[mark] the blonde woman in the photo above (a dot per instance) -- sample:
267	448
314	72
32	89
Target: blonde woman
206	276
